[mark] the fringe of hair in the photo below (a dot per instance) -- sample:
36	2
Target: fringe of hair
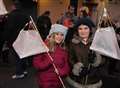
51	43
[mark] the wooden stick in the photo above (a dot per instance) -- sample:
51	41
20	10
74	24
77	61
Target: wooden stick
55	68
34	25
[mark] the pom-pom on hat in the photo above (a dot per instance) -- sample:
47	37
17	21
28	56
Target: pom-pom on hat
55	28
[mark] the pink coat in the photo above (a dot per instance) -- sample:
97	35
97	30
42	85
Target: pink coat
46	76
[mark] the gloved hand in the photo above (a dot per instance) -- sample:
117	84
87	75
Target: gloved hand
77	68
85	71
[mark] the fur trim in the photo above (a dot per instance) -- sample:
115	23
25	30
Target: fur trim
76	39
77	85
77	68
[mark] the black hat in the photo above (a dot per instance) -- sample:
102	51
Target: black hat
85	21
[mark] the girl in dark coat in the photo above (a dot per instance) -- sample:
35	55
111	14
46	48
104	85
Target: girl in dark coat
46	76
85	63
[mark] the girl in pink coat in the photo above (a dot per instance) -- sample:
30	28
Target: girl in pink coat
46	76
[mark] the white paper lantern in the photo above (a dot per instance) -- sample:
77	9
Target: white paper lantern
2	8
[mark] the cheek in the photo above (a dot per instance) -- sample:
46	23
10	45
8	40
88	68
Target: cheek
88	33
59	38
80	32
85	32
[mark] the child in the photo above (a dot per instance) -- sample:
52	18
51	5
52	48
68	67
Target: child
84	62
46	75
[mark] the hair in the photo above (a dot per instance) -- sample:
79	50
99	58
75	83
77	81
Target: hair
70	6
85	14
51	43
46	13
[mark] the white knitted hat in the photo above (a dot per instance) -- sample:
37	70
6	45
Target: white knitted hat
58	28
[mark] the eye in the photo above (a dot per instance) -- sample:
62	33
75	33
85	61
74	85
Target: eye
57	33
79	28
61	34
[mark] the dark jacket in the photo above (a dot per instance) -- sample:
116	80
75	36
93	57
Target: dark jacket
14	23
2	22
80	53
44	25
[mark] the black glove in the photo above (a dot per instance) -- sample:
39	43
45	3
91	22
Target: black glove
84	72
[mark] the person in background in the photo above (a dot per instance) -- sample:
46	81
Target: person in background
69	19
3	17
44	24
85	63
46	75
118	39
70	12
15	22
84	14
117	24
2	22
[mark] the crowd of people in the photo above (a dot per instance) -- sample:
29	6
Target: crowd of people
69	63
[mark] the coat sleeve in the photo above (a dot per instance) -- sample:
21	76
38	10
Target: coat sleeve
41	62
72	55
65	70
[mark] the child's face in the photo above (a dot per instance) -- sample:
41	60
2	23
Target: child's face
83	31
59	37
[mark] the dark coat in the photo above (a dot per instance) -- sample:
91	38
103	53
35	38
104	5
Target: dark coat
80	53
46	75
44	25
2	22
14	23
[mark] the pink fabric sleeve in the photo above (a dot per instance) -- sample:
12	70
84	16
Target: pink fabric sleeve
41	61
65	70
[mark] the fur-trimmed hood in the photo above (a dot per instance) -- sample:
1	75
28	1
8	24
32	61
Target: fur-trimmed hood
76	39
